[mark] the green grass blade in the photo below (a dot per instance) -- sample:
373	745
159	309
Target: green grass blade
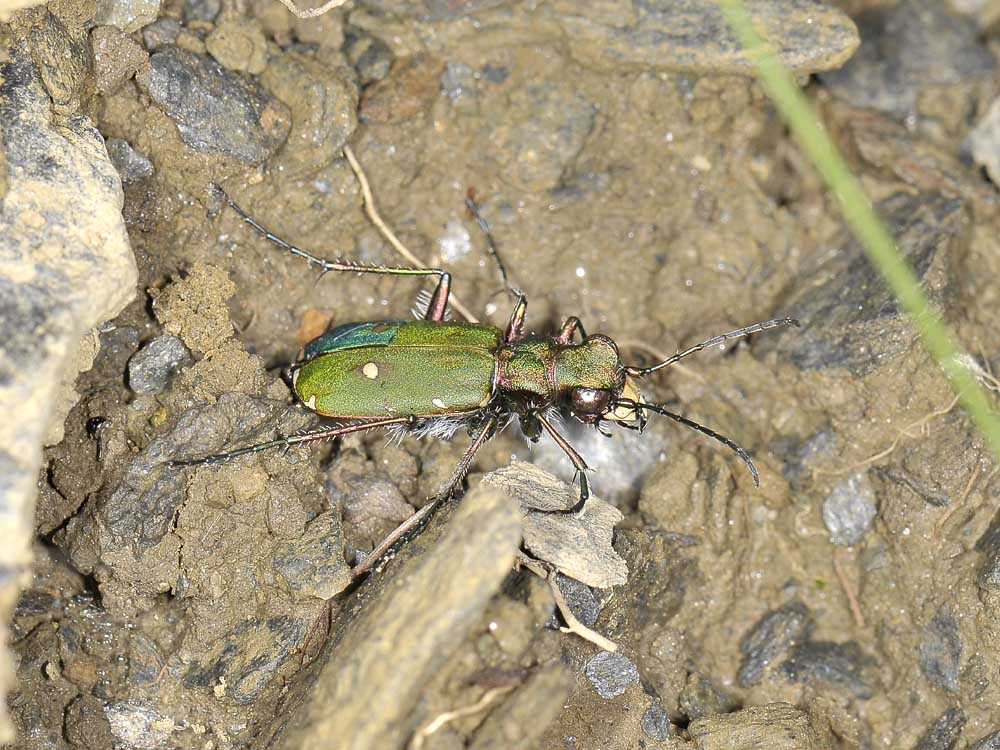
801	118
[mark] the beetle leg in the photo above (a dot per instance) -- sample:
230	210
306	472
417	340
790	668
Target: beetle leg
571	325
516	324
578	463
439	299
324	433
418	520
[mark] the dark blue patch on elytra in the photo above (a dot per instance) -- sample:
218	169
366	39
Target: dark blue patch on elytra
352	336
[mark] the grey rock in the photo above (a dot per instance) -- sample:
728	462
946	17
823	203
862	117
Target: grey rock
905	49
771	638
983	142
215	110
371	57
941	651
247	659
131	164
655	722
799	455
840	665
577	544
201	10
849	510
150	368
700	698
611	673
989	570
944	733
580	598
693	35
127	15
314	565
160	33
378	670
990	742
850	318
48	300
458	82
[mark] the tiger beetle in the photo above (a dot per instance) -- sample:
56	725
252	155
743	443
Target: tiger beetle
432	376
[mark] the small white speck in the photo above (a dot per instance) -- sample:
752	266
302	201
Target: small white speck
438	403
581	272
906	531
491	307
311	402
370	370
688	282
493	627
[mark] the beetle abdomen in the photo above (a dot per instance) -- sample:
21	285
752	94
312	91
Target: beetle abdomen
427	369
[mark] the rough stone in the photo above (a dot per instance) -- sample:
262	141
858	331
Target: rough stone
907	48
693	35
941	651
314	564
945	732
578	544
215	110
772	637
849	510
150	369
408	90
656	722
160	33
776	726
700	698
127	15
64	195
850	318
370	56
117	57
990	742
378	670
611	673
518	722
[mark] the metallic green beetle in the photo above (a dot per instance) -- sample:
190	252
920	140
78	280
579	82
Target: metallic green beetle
434	376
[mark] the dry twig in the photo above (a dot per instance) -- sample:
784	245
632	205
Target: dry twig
311	12
459	713
852	598
390	236
573	624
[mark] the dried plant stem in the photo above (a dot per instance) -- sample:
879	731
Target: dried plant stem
390	236
573	624
459	713
311	12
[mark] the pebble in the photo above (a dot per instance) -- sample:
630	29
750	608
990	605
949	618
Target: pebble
238	44
944	733
656	722
370	56
132	165
772	637
127	15
775	726
581	599
700	698
116	56
150	368
611	673
940	653
849	510
201	10
906	49
840	665
160	33
215	110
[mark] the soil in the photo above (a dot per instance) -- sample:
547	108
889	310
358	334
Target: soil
213	607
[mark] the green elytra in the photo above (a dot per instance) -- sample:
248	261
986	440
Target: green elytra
432	376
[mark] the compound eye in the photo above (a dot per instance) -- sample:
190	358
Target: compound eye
591	402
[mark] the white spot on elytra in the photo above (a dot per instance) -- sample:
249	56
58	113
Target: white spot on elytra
295	378
311	402
370	370
438	403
